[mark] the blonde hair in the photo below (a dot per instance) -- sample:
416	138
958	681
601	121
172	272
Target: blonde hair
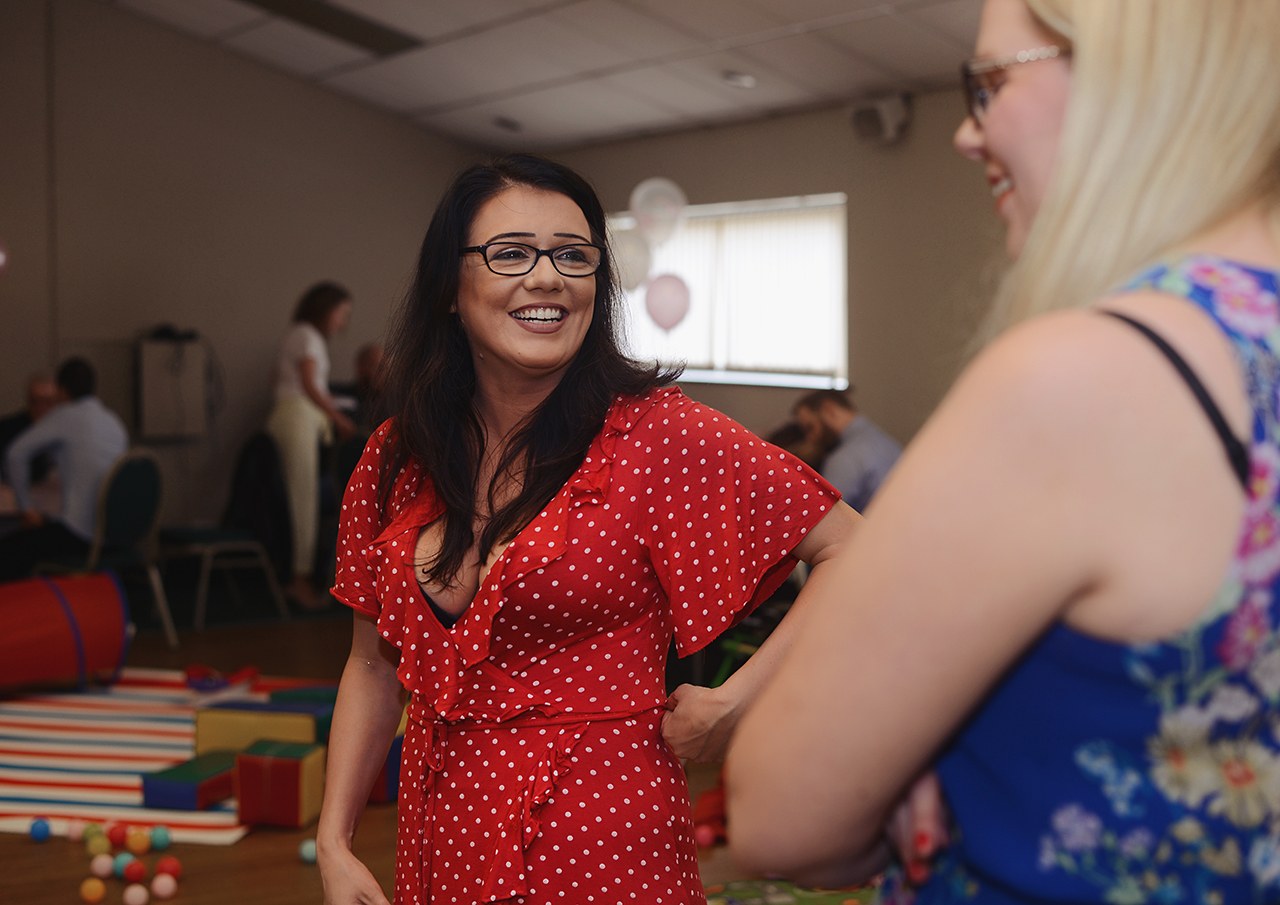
1172	125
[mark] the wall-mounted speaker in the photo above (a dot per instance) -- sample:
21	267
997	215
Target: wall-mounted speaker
882	120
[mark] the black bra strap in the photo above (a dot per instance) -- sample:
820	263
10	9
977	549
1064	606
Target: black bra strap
1237	453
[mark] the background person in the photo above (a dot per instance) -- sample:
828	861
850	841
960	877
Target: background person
857	455
42	396
84	438
520	543
1066	595
304	416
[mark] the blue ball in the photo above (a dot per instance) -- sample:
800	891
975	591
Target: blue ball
121	860
307	851
40	829
160	838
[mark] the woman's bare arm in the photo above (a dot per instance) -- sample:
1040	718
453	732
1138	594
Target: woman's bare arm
370	704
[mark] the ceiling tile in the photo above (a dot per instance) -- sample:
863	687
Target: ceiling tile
821	66
431	19
793	12
900	46
956	20
772	89
634	33
673	92
297	49
205	18
708	20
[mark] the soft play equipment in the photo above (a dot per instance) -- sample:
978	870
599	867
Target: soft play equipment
68	630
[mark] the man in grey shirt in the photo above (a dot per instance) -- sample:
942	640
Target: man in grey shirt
84	438
858	454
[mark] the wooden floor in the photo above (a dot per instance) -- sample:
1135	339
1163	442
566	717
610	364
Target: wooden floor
264	867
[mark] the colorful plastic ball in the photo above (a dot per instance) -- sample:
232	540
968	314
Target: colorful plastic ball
75	829
138	841
307	851
103	866
160	837
89	830
93	890
135	894
98	844
164	886
117	832
40	829
171	866
123	859
134	872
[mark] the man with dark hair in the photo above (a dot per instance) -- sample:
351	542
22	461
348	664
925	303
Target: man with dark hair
42	396
858	454
84	438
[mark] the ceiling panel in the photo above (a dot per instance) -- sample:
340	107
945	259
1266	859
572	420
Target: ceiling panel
294	48
573	71
901	47
206	18
824	68
633	33
431	19
708	20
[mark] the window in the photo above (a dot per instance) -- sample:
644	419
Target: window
766	289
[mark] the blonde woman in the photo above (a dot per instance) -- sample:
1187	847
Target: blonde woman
1064	598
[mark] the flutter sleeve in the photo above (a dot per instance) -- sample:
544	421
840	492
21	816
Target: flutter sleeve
725	510
355	575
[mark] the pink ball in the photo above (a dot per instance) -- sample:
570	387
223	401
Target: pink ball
164	886
102	866
136	894
704	835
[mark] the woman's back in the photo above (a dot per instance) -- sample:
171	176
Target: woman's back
1099	771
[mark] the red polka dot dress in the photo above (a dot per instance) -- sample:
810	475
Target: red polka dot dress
534	769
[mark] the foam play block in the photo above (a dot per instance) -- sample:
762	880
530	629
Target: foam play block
280	784
238	724
387	786
320	693
193	785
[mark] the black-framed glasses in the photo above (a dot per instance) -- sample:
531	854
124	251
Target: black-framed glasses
513	259
983	78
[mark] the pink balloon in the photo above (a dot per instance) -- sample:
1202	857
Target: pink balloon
4	256
667	300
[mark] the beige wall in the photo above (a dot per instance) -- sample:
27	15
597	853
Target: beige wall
922	236
185	184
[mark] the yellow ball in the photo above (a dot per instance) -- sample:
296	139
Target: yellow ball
138	842
93	890
98	845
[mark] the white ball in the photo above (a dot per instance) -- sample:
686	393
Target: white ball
136	894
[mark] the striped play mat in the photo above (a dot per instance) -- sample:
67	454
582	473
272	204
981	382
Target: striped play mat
80	756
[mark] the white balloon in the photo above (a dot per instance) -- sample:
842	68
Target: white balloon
658	204
667	300
631	252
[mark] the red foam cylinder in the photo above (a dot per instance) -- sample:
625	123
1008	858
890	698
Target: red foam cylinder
68	630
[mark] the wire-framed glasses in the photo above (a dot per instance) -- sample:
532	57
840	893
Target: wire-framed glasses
511	259
983	78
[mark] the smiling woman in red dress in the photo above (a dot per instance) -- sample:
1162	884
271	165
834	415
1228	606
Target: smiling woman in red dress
520	543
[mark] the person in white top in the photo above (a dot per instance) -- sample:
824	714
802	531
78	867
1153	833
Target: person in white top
303	416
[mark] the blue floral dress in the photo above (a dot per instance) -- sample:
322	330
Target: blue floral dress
1102	772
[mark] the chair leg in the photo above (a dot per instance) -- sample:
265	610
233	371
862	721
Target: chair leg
274	585
162	604
202	587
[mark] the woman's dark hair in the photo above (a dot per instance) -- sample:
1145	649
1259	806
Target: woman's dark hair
77	378
318	302
431	380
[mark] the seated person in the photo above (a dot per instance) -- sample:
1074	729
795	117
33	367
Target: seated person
84	438
858	454
42	396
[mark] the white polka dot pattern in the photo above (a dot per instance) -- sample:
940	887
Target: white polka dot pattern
534	770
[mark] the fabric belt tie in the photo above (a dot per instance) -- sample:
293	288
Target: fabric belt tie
507	873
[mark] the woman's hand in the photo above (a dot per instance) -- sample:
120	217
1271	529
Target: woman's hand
345	427
347	881
918	827
699	722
